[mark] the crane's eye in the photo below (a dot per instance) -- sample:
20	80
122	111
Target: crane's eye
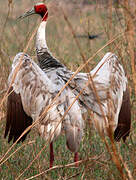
39	9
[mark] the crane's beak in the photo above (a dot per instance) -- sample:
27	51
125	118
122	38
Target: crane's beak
28	13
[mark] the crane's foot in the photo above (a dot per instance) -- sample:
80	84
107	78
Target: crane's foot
51	155
76	159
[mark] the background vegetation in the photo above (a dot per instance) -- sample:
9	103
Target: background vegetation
101	159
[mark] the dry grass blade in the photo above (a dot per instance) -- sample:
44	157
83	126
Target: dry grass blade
3	29
126	168
130	27
18	66
62	166
74	36
23	145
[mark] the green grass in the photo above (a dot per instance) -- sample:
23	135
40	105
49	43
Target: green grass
94	19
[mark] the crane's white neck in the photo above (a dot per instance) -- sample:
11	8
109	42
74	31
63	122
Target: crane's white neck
40	37
45	58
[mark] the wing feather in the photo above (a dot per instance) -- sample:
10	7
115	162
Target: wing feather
17	120
124	122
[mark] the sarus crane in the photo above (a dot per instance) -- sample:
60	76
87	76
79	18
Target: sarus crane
35	87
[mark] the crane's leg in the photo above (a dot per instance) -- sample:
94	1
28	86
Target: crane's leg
51	155
76	159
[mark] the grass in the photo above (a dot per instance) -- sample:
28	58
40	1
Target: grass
94	18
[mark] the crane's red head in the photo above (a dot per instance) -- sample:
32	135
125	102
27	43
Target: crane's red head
40	9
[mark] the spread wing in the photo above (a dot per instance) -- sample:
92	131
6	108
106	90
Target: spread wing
30	93
111	85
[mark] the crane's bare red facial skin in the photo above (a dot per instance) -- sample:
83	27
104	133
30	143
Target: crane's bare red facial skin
42	10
